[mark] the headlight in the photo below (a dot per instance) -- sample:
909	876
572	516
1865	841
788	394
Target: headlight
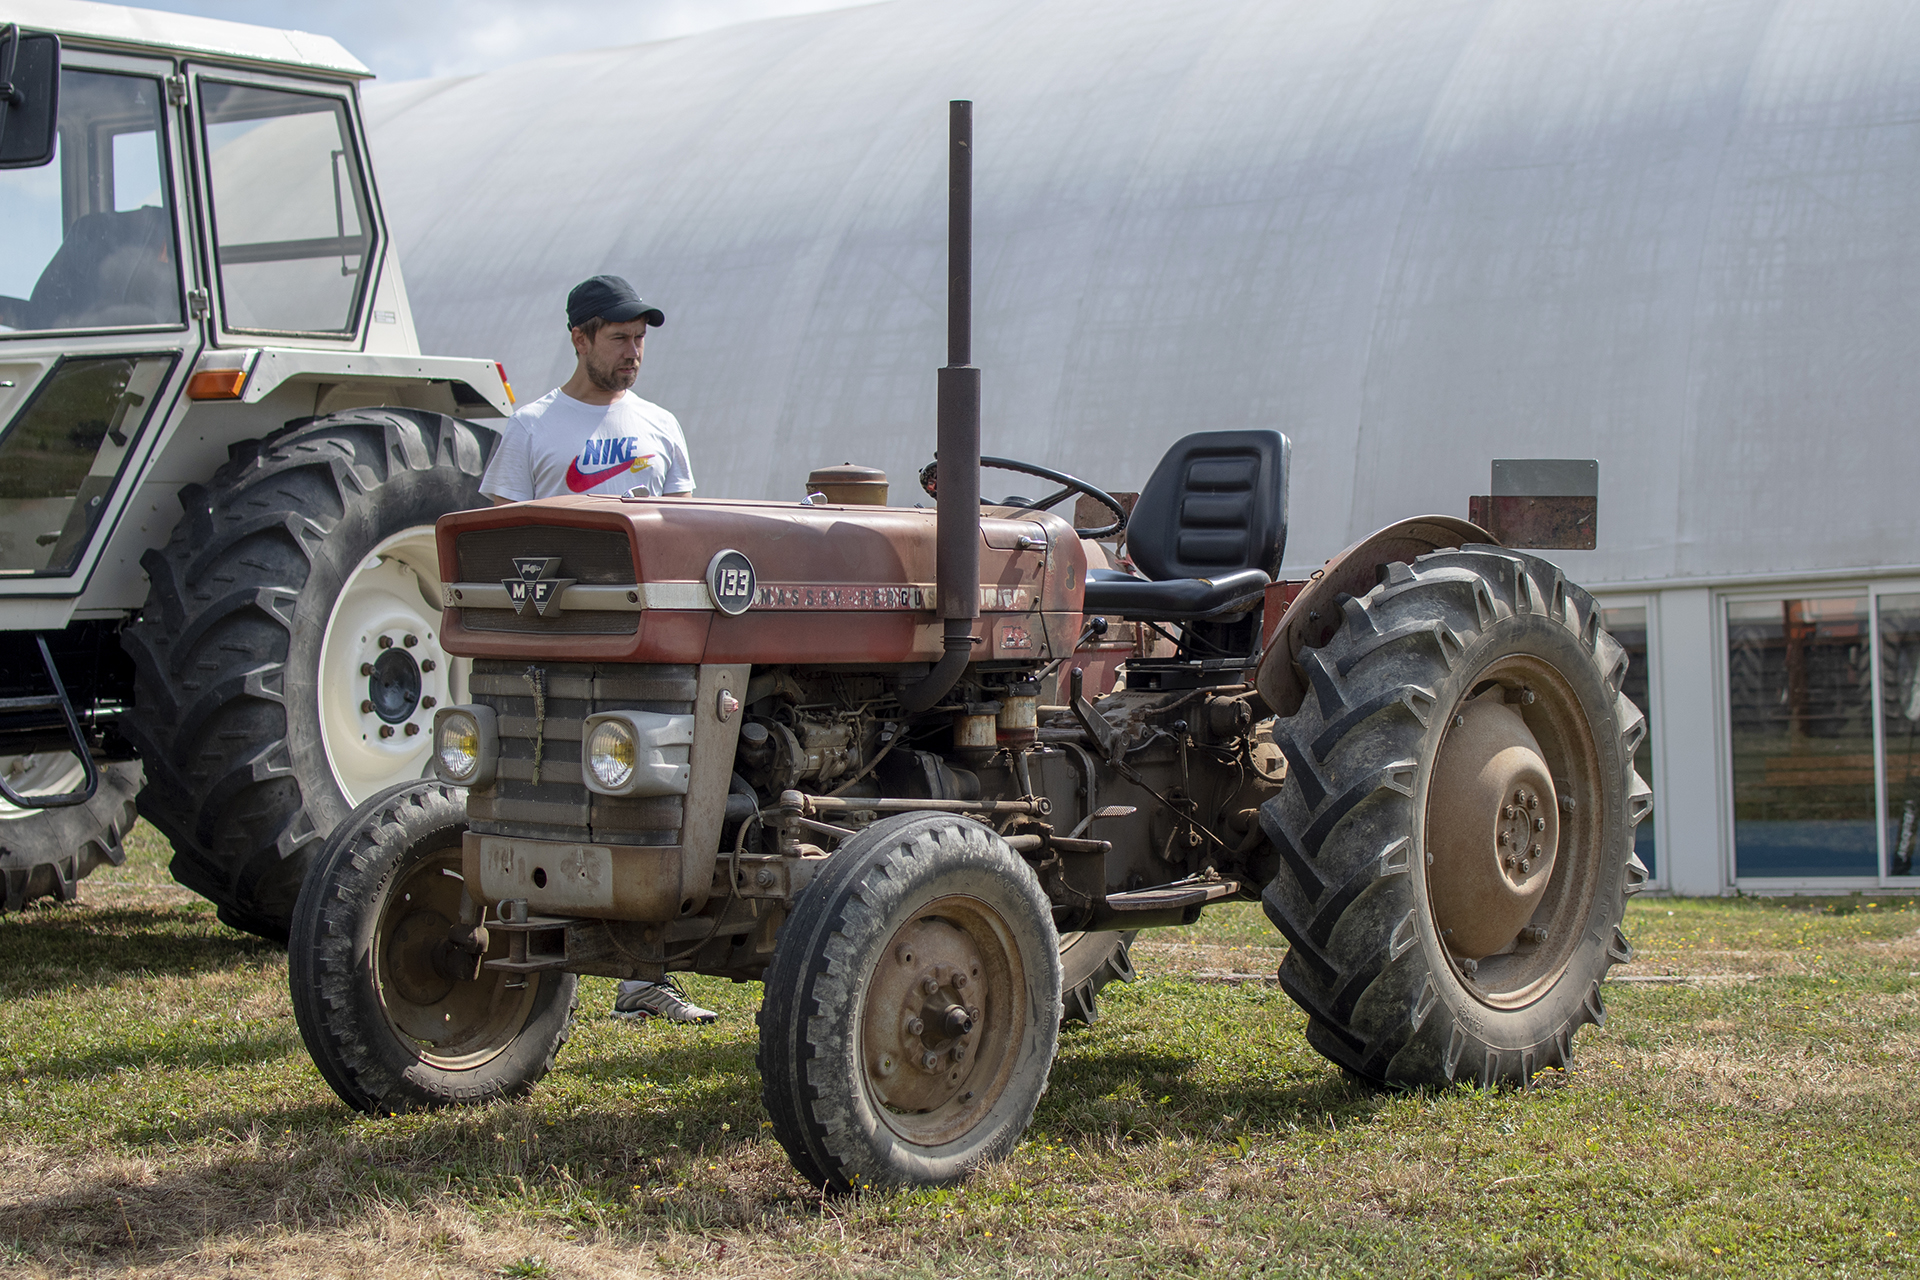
465	745
636	753
610	754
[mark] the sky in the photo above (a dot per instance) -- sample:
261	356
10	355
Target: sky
412	39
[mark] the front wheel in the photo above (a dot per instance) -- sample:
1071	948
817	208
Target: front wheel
396	1016
912	1007
1456	833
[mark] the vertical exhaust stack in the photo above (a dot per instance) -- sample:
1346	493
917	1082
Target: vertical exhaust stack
957	508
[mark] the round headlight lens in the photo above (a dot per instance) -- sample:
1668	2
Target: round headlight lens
458	746
610	753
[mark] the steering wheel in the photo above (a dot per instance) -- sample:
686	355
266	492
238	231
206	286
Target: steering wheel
1070	485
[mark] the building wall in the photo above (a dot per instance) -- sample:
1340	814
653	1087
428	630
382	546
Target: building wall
1416	235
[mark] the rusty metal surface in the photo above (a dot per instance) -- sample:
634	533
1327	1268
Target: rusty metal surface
1493	827
1313	615
834	584
1562	522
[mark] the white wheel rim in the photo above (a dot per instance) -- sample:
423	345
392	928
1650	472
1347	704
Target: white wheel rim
392	594
43	773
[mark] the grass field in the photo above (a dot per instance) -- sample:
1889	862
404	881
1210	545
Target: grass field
1756	1117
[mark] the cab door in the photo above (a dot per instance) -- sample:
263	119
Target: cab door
97	333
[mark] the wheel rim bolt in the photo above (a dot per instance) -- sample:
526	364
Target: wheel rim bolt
931	1061
410	640
366	668
429	702
931	986
1533	933
915	1026
959	982
386	731
426	664
386	642
366	706
1539	824
412	728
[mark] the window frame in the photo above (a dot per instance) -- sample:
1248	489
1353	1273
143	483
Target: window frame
1873	589
173	172
346	93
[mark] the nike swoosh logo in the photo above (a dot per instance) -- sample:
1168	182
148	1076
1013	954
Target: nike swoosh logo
580	481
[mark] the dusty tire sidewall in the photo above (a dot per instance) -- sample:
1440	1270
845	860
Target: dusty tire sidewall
331	965
1558	1007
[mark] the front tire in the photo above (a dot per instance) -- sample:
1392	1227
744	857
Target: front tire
912	1007
288	657
1456	833
395	1016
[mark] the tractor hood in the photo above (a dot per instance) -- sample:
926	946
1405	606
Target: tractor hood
594	579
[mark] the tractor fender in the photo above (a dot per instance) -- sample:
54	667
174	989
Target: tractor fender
1314	614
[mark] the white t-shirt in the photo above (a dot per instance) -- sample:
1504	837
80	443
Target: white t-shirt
557	445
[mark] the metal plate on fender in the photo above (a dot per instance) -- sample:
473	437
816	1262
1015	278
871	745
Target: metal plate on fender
730	579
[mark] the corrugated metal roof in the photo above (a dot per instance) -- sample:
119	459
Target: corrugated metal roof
147	29
1676	235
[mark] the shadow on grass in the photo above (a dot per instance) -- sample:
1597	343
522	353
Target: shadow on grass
197	1053
54	950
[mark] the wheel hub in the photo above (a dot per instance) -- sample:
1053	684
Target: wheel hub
393	685
923	1017
1493	828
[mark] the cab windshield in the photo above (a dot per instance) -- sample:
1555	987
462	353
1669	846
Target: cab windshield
89	240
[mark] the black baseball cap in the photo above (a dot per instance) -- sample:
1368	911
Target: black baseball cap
609	298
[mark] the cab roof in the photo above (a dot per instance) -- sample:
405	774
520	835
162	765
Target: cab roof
150	31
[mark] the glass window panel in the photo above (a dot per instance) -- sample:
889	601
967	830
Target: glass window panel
60	456
1799	680
1629	627
89	239
1900	726
291	226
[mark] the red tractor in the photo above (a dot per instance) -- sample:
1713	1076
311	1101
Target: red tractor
853	752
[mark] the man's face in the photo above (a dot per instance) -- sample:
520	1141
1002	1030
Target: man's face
612	356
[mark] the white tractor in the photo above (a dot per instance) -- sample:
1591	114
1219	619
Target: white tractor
221	456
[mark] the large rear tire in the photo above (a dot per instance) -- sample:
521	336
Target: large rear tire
1088	962
396	1017
912	1007
45	853
288	658
1456	832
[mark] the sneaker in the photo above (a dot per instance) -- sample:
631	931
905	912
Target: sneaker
638	999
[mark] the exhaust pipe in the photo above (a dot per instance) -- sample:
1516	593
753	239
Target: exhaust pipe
957	506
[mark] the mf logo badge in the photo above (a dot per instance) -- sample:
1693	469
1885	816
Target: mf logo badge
537	585
730	579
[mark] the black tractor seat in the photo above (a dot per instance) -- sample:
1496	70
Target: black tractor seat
1208	531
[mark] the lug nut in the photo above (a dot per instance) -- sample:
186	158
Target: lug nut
386	642
959	1053
959	982
1566	803
366	706
1459	722
915	1026
429	702
386	731
931	1062
931	986
410	641
426	664
1539	824
1533	933
1526	697
1533	802
412	728
366	668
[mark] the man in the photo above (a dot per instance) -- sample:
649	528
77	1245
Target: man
591	434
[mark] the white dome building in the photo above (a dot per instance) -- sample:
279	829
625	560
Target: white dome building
1415	235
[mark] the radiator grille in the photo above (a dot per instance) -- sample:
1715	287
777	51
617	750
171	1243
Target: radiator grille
559	806
572	622
600	557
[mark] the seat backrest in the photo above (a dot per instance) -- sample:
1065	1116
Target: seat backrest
1217	502
112	269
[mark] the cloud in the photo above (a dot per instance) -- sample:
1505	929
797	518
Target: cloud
417	38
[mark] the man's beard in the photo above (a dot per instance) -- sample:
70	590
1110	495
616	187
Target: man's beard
611	377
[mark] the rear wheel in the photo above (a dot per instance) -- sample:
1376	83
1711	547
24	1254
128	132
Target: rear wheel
396	1016
44	853
1088	962
1456	833
912	1007
288	658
